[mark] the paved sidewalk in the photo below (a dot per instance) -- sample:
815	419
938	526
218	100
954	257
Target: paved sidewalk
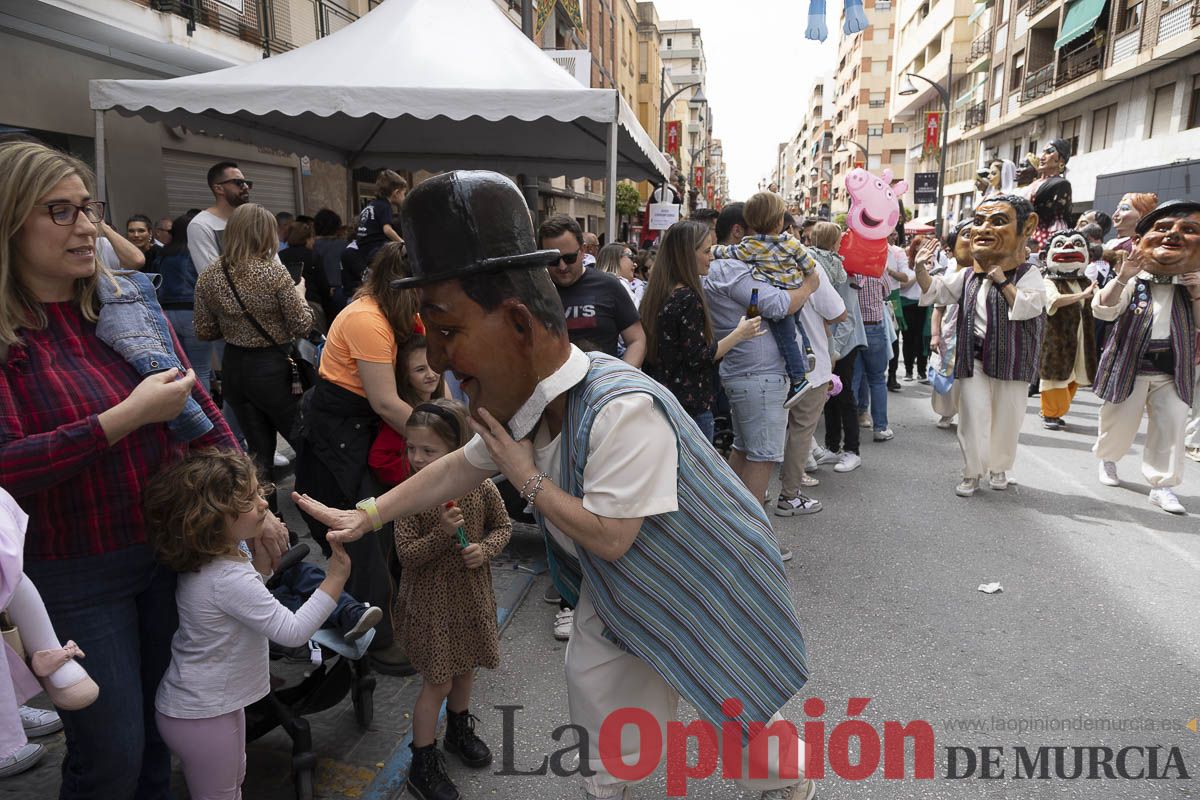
367	764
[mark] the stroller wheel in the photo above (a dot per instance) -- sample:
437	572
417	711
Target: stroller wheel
304	785
364	707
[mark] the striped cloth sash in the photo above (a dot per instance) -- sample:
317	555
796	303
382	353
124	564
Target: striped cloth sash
1129	342
701	594
1011	349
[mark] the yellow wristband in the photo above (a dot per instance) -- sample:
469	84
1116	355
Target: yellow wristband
372	511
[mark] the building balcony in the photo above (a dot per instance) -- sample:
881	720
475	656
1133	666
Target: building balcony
1037	6
975	115
1176	21
981	47
1080	63
274	25
1038	83
1127	44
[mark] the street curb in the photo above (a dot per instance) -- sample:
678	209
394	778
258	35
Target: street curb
390	781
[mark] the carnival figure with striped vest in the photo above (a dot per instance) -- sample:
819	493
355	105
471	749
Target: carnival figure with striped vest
1149	360
670	562
1002	313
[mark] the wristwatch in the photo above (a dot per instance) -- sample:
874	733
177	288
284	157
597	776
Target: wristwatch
1001	284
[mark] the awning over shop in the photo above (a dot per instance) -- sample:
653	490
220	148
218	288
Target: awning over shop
1080	18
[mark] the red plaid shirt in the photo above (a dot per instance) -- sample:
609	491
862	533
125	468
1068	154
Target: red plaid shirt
83	496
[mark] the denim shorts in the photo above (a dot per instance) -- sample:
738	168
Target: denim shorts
758	416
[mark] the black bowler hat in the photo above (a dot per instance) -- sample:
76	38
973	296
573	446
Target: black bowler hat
1171	208
466	223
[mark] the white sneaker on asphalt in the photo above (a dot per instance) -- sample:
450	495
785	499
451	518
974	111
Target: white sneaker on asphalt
945	422
1108	473
39	722
848	463
564	623
864	420
884	435
25	757
804	790
824	456
998	481
811	465
281	460
966	487
1165	499
785	553
796	506
808	481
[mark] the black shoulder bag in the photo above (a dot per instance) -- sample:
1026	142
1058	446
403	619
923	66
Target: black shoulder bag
304	374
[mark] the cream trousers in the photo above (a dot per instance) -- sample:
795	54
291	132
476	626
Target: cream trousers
990	413
1163	454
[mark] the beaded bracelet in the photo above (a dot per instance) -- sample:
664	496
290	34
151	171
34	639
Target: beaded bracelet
531	495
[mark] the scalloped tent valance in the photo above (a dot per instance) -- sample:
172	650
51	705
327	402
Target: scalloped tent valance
414	84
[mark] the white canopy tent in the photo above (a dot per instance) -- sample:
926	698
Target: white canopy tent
414	84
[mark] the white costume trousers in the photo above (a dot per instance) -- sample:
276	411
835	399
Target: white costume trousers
602	678
1193	426
990	413
1163	454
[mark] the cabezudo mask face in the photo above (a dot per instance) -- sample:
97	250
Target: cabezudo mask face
1067	253
1172	245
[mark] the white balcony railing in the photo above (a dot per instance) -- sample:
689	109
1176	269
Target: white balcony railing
1126	45
576	62
1174	22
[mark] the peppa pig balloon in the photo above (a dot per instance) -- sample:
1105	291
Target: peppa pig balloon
874	212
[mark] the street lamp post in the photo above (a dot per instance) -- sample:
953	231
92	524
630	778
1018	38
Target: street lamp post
944	94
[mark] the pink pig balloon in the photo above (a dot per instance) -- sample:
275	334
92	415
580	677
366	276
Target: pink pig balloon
874	212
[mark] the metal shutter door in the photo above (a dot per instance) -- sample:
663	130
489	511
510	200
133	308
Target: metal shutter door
184	174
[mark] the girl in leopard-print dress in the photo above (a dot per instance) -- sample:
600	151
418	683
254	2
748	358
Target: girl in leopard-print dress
445	613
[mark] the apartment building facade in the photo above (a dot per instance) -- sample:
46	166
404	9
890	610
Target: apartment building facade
52	49
1117	79
811	154
864	134
682	52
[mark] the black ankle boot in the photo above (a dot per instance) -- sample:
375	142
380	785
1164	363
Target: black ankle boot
462	741
427	779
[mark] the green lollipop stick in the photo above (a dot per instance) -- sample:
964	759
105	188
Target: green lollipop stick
459	532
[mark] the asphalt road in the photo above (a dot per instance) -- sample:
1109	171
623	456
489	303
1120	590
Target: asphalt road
1097	623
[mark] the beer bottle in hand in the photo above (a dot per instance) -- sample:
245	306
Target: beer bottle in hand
752	309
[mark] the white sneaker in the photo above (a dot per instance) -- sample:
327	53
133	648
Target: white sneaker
945	422
884	435
966	487
1193	453
24	758
281	460
1108	473
811	464
864	420
804	790
564	622
826	456
848	463
39	722
998	481
1165	499
785	553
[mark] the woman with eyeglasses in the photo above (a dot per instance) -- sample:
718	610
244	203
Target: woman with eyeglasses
681	350
81	433
617	259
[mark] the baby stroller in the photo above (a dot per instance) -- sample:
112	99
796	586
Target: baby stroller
343	670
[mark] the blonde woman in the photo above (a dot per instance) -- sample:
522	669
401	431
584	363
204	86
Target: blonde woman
618	259
248	299
81	433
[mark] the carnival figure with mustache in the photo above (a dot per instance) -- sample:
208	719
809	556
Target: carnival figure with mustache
1069	348
1149	360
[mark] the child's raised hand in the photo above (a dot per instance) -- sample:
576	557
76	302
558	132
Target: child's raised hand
338	567
452	519
473	556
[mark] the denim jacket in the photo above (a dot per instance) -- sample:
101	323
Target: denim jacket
178	279
133	325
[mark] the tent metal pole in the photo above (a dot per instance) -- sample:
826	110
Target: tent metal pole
101	168
610	190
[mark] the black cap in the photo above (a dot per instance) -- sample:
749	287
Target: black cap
466	223
1171	208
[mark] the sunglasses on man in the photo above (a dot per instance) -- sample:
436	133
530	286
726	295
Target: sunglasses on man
241	183
569	258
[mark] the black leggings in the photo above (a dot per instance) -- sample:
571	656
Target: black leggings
257	383
841	410
916	343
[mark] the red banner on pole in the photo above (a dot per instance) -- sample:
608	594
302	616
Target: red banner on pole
710	194
699	173
674	128
933	132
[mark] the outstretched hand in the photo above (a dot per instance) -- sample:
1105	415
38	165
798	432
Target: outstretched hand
344	525
514	459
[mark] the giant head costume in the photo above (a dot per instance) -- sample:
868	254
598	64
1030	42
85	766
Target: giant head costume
1169	239
874	213
1066	254
491	312
1131	209
999	230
